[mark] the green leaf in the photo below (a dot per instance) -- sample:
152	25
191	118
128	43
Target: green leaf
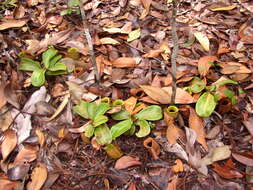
122	115
38	77
188	43
135	34
144	128
224	82
28	64
89	131
58	67
120	128
81	109
99	120
102	109
54	73
151	113
91	110
231	95
73	3
47	56
197	85
103	135
66	12
205	105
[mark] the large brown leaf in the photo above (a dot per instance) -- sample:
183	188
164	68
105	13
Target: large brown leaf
196	123
12	24
124	62
182	97
204	64
9	143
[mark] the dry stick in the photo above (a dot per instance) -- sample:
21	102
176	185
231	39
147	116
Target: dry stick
89	41
174	51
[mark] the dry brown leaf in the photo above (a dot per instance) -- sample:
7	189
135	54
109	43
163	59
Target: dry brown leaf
41	137
32	2
38	178
153	53
7	184
204	65
226	172
153	147
126	161
182	97
249	125
9	143
28	153
196	123
12	24
80	129
234	67
130	104
156	94
108	40
244	157
178	167
124	62
173	184
132	186
225	8
3	100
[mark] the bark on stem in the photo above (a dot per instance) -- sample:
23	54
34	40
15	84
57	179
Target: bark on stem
89	41
174	51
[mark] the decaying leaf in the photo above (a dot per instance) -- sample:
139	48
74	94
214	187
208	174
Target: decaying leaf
225	8
226	172
124	62
12	24
196	123
108	40
130	104
217	154
38	178
27	153
135	34
127	161
9	143
244	157
152	146
178	167
3	100
205	63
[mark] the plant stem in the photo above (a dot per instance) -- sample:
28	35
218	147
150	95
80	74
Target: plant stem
174	51
89	41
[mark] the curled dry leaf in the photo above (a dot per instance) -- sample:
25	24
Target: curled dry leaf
41	137
130	104
28	153
205	63
9	143
178	167
124	62
196	123
80	129
38	178
152	146
126	161
12	24
153	53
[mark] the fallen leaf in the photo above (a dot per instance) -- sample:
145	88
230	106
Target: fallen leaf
132	186
41	137
249	125
217	154
7	184
197	124
108	40
126	162
11	96
205	63
18	172
130	104
244	157
153	53
225	8
203	40
9	143
173	184
12	24
135	34
60	108
178	167
3	100
28	153
124	62
38	177
226	172
182	97
152	146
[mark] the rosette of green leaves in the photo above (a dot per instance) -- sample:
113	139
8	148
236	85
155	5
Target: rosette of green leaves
208	100
50	65
96	114
142	120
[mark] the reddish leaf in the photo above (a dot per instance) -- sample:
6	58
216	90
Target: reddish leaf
27	154
6	184
226	172
126	161
123	62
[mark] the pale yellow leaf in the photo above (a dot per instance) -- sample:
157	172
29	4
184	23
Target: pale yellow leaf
203	40
135	34
108	40
227	8
217	154
112	30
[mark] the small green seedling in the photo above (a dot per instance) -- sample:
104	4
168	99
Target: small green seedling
97	120
72	7
209	99
50	65
141	119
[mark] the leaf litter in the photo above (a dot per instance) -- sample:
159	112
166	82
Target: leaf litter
207	145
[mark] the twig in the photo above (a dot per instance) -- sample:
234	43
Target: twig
89	41
174	51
